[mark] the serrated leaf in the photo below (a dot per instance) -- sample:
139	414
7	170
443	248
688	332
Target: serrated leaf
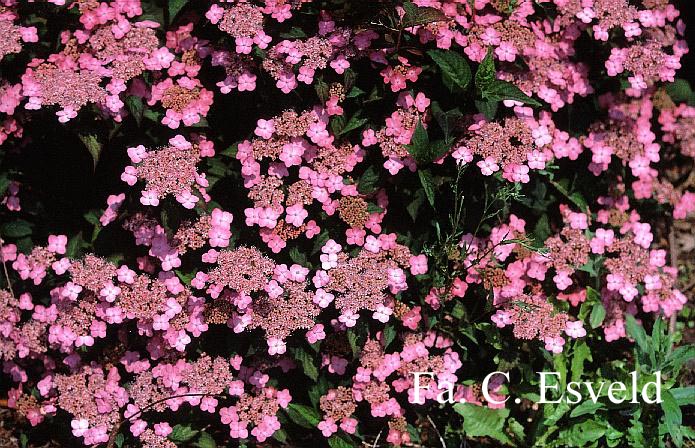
16	229
598	313
294	33
307	363
340	441
182	433
298	256
414	207
422	150
152	115
319	242
373	208
175	7
355	92
680	356
427	185
485	74
487	108
369	180
586	432
684	396
419	142
446	120
322	90
205	441
586	407
135	107
592	295
302	415
499	90
636	332
456	73
280	435
416	16
337	124
673	416
4	183
481	421
91	142
389	335
355	122
680	91
580	354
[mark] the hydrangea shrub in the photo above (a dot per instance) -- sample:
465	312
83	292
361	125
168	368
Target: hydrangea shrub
248	223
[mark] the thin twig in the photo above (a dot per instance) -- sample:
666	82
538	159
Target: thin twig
4	268
378	436
673	245
441	439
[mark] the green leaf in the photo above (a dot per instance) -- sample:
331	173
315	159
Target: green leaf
415	16
456	73
350	78
91	142
373	208
499	90
302	415
369	180
298	256
280	435
152	115
319	242
517	429
205	441
673	417
580	354
684	396
680	91
592	295
414	207
317	390
307	362
357	336
322	90
355	122
355	92
120	438
598	313
135	107
294	33
586	407
182	433
485	74
480	421
636	332
422	150
389	335
337	124
427	184
16	229
586	432
487	108
446	120
340	441
175	7
4	183
419	142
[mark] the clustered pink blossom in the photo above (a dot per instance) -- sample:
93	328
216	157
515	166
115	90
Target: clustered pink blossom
303	182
